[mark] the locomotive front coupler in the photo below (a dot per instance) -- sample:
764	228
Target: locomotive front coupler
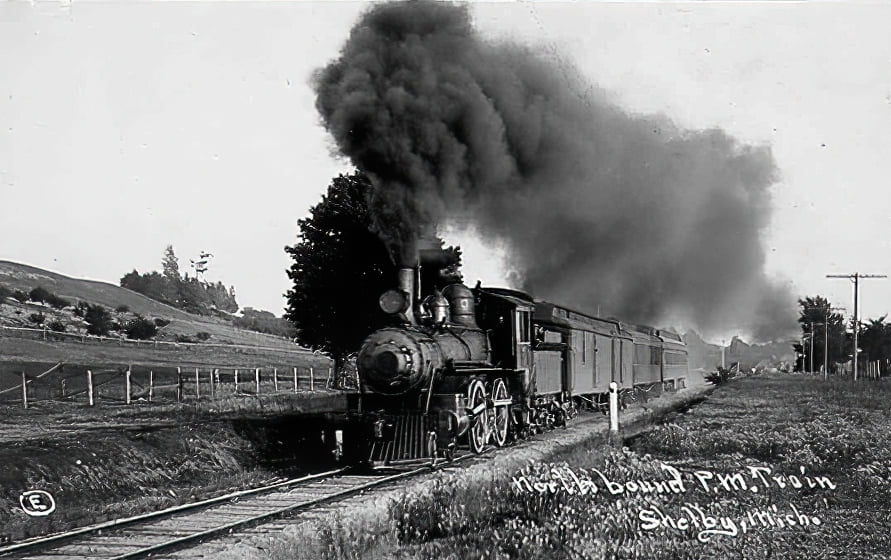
384	430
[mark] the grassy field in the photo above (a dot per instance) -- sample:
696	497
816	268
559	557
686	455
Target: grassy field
766	467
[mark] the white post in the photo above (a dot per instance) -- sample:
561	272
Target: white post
613	408
275	379
90	386
236	382
24	389
127	378
197	385
311	381
151	384
295	380
257	378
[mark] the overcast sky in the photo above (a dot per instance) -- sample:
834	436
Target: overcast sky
128	127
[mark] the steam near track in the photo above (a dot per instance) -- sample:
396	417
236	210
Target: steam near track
597	207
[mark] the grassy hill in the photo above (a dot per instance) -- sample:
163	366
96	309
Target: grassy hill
15	276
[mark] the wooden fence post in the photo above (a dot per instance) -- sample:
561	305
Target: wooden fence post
217	390
275	379
179	385
197	385
151	384
24	389
90	387
257	378
311	381
330	380
127	377
295	380
236	382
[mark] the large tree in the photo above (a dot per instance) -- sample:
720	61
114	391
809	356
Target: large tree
875	341
815	317
340	269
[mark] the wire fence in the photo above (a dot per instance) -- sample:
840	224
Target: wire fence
144	384
57	336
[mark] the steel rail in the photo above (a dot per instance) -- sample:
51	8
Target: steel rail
342	489
41	542
227	527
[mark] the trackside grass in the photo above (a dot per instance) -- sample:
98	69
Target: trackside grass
765	467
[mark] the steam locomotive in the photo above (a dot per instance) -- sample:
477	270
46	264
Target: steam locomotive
486	365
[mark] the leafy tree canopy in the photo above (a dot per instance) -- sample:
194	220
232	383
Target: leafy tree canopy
875	340
341	267
815	317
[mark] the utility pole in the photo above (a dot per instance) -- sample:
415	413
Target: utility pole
829	310
812	346
855	278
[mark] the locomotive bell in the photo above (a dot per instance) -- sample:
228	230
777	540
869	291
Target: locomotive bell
438	306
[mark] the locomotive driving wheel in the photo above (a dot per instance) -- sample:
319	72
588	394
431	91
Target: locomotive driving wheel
500	412
476	405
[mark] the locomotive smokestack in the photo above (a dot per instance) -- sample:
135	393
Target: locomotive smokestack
407	286
408	269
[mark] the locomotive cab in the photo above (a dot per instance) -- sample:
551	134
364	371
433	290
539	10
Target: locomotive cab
507	316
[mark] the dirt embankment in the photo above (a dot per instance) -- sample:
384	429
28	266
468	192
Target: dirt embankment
100	473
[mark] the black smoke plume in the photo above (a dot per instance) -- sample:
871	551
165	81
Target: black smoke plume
598	209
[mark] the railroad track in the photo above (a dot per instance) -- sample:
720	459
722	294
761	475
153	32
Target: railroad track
153	534
178	527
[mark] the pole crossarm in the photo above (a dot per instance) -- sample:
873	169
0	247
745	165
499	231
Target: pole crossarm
855	278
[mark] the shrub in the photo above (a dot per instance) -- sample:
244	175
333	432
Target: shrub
161	323
80	310
57	302
37	318
21	296
203	336
721	376
123	308
98	320
39	294
140	328
184	338
57	326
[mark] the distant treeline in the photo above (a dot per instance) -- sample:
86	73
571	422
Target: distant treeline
200	297
189	294
264	322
